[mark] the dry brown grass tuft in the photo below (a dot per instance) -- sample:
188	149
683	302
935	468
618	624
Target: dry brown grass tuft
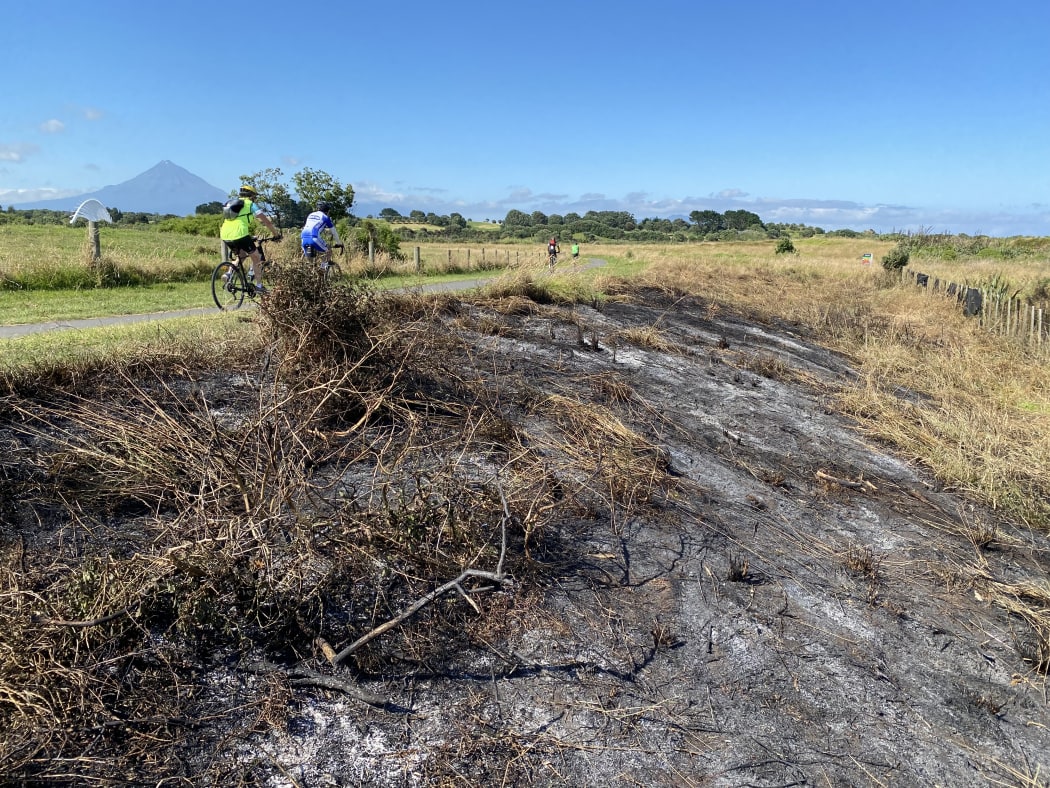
650	338
614	461
611	388
768	366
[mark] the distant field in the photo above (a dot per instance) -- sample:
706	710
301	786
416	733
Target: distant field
26	247
433	228
420	226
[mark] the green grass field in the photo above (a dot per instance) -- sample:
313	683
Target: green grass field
46	273
29	248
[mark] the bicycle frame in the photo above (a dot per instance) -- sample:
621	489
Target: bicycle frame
230	281
328	267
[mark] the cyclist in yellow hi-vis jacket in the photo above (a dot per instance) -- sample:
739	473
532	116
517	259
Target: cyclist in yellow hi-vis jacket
236	230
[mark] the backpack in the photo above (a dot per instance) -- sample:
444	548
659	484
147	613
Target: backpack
232	208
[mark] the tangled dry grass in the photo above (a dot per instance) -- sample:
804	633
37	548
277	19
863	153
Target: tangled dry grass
159	522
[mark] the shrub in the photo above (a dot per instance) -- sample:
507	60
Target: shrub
896	258
201	224
784	246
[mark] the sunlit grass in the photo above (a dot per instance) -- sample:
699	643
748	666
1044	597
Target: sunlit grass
180	340
30	253
42	306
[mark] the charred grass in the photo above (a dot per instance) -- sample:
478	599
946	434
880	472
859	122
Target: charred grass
257	512
968	405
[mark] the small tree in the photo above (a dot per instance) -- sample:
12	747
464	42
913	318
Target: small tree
382	236
314	185
784	246
896	258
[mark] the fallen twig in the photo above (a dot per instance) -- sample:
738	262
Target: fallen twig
305	677
58	622
863	484
456	584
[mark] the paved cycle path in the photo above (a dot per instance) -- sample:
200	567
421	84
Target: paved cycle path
9	332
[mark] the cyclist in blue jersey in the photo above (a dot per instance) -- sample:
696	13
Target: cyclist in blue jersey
312	235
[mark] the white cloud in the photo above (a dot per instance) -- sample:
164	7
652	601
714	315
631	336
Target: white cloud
20	196
90	113
730	194
52	126
17	152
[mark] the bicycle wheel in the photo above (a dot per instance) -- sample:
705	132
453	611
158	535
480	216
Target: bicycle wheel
228	286
332	272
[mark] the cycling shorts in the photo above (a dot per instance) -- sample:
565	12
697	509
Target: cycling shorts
245	244
314	246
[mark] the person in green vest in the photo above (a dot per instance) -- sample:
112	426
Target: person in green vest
575	250
236	230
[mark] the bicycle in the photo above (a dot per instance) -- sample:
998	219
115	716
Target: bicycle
552	261
328	267
231	281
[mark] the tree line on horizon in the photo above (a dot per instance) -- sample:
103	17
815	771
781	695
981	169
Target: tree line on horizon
517	225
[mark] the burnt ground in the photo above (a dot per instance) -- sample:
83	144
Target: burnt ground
789	604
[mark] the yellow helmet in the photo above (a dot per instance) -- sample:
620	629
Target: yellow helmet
247	190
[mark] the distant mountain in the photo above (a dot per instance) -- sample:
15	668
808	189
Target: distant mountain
164	188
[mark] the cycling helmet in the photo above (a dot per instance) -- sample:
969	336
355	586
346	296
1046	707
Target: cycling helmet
248	191
324	206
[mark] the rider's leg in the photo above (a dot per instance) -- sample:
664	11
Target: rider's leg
257	266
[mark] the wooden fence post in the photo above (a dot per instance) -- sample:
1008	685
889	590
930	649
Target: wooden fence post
419	262
96	247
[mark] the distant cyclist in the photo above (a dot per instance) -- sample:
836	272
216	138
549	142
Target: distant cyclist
575	249
553	251
236	231
312	235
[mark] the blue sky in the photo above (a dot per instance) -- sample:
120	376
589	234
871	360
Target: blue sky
891	115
